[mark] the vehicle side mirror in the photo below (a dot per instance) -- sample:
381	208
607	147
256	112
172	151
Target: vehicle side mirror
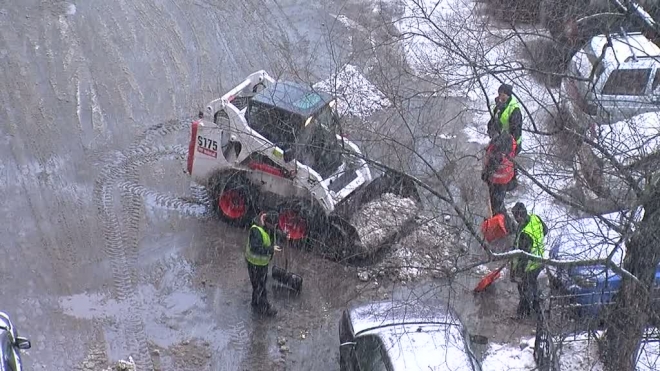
289	154
23	343
478	339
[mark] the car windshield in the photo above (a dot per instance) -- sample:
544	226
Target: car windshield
273	123
426	347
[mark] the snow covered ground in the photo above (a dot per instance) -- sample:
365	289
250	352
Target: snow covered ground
448	38
577	353
357	96
431	250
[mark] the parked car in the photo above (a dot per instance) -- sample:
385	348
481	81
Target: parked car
589	288
622	84
395	335
10	345
573	22
634	143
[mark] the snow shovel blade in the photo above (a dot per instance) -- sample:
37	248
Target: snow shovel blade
489	279
291	280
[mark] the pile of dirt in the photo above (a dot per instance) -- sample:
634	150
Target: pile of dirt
431	250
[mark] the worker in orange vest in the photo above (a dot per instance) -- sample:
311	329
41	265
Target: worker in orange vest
498	169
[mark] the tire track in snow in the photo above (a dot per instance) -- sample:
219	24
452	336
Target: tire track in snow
122	248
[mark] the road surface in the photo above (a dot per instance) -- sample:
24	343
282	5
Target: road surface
108	250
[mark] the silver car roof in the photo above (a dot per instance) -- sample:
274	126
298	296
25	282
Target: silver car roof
624	48
424	347
393	312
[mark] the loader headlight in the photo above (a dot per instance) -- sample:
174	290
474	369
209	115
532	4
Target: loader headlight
585	282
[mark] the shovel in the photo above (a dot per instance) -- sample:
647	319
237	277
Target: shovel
494	227
282	275
291	280
489	279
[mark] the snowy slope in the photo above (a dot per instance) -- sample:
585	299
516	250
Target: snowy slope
577	353
446	38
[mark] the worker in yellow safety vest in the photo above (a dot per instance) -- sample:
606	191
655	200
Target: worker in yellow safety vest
507	117
525	272
258	254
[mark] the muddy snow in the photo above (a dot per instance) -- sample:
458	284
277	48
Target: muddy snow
430	250
378	220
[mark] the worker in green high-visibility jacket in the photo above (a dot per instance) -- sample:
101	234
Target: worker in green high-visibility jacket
507	117
258	254
525	272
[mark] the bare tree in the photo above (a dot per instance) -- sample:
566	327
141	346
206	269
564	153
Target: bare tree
455	53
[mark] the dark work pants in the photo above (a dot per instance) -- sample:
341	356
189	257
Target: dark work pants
258	278
528	291
496	193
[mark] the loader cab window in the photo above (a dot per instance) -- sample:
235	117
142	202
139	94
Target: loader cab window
273	123
319	147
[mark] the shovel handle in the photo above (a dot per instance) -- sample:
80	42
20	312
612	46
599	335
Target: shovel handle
502	267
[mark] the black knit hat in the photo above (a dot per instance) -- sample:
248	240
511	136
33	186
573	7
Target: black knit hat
506	89
519	209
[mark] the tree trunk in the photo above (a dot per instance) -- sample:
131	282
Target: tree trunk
629	314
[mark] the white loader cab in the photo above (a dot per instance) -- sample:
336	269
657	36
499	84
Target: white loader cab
278	145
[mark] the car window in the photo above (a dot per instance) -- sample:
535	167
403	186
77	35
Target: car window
656	80
368	350
627	82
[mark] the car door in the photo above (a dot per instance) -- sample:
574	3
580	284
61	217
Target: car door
370	354
346	346
625	92
8	357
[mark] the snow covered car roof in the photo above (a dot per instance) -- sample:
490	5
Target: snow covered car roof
425	347
630	140
393	312
416	336
623	48
585	238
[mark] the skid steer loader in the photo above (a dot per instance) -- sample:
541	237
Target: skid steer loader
278	145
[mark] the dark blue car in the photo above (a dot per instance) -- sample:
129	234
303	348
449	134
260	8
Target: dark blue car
586	287
590	286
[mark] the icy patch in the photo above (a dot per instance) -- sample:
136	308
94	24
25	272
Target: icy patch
431	249
379	219
357	96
